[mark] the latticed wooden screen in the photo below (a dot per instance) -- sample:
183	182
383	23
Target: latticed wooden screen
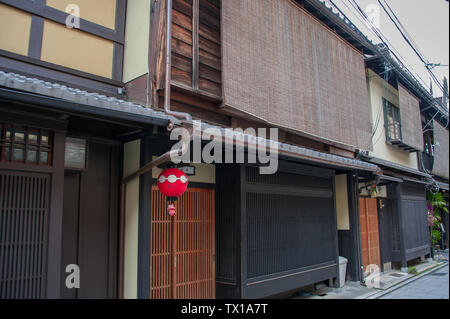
24	209
410	119
283	66
370	244
194	247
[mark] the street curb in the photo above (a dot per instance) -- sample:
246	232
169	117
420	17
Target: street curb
402	284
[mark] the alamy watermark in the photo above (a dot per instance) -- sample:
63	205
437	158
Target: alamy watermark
372	12
228	146
73	277
373	276
73	19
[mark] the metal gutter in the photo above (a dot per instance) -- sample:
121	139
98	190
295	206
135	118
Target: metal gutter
391	179
381	162
297	152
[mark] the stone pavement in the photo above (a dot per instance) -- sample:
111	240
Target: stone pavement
389	281
434	285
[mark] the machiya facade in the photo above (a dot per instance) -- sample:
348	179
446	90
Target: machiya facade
82	109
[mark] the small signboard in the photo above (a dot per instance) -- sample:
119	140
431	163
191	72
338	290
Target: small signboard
188	170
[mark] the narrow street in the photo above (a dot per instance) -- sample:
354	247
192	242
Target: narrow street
432	286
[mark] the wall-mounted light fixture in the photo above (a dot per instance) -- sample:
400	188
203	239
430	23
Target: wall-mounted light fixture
75	154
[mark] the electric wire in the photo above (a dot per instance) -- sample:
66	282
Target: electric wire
404	33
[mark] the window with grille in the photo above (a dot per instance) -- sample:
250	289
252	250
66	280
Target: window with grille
392	122
26	145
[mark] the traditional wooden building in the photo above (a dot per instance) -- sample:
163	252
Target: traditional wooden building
293	65
83	107
62	128
395	218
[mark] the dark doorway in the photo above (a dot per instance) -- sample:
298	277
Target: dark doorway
90	223
385	216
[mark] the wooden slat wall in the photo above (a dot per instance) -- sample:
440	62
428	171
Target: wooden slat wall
196	49
209	48
410	119
286	231
24	208
195	246
415	225
441	141
182	41
283	66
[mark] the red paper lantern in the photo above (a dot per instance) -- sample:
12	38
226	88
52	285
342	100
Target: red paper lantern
172	183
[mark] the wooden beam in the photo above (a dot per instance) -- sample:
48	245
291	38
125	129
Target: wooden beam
156	51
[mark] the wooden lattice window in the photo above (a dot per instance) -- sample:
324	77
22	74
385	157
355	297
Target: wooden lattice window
26	145
392	122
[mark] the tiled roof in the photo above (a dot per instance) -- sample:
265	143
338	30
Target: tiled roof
55	90
40	87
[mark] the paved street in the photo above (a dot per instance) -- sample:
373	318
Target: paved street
432	286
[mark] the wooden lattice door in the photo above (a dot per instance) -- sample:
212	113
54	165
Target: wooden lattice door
190	272
24	213
370	236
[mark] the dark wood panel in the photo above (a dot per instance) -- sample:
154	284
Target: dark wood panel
181	76
94	222
183	6
210	34
210	60
385	209
36	34
209	8
70	228
182	63
24	213
91	223
284	234
211	21
209	46
196	47
210	74
209	86
292	281
182	34
182	20
182	48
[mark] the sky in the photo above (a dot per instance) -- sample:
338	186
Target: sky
427	22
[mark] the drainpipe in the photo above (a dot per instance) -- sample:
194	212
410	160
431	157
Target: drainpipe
185	118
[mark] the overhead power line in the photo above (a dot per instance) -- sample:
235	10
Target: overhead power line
391	58
407	37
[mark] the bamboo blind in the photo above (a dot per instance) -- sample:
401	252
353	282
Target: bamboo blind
283	66
441	141
410	119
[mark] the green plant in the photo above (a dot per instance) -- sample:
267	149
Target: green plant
436	207
437	201
412	270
